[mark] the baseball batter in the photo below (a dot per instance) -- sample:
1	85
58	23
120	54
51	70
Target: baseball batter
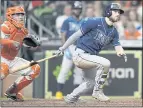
70	26
13	32
95	33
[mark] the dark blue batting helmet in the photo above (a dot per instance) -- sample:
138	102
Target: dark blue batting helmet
112	6
77	5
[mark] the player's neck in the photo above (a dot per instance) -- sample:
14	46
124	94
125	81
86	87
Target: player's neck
110	23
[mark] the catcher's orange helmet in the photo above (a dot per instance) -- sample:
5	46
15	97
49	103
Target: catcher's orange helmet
13	10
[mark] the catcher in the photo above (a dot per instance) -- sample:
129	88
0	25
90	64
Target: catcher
13	36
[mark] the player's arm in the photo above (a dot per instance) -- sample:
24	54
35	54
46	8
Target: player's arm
71	40
86	26
5	33
118	48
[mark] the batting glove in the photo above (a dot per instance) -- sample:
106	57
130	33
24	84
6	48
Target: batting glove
59	52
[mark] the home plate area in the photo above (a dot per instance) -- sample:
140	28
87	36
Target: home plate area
85	103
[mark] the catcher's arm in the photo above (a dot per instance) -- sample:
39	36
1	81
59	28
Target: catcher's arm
9	43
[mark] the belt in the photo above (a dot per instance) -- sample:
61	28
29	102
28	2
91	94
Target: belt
81	50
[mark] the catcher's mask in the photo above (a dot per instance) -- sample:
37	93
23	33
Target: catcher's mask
12	11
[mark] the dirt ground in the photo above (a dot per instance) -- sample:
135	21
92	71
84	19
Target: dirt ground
86	103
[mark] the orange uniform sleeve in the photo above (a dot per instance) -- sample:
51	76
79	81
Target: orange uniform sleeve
4	33
5	28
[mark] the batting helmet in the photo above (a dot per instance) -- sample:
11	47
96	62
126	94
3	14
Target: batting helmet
112	6
77	5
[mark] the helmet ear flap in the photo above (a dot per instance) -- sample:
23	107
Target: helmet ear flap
108	13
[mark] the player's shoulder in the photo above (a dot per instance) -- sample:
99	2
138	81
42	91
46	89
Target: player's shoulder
70	18
92	19
98	19
67	20
7	24
5	27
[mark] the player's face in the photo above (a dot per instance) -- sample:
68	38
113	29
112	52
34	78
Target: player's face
20	17
115	15
77	12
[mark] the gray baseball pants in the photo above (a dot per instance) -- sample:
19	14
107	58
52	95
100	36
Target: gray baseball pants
95	69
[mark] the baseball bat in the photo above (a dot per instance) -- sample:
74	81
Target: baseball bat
125	57
30	64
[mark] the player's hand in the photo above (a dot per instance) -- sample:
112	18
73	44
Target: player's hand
122	55
33	62
59	52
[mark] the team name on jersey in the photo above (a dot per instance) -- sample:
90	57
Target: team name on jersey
102	38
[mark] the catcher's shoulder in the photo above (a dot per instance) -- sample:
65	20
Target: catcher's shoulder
6	27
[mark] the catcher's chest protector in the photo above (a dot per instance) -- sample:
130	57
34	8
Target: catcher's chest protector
15	34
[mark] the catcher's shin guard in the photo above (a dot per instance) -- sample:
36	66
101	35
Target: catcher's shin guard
19	84
23	81
4	71
36	71
13	90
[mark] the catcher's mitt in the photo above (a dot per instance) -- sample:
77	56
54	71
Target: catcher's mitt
31	41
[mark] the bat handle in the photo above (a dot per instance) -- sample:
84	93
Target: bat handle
125	57
33	63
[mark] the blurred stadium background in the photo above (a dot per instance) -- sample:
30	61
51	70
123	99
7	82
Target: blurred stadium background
44	20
